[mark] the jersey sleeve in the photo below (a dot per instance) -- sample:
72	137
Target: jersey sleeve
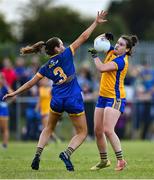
111	48
68	52
120	63
42	71
73	52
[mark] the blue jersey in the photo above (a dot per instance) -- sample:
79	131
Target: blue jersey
3	105
60	69
3	91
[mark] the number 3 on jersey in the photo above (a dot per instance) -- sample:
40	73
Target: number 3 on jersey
59	70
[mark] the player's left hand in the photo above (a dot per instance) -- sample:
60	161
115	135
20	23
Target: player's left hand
93	52
101	17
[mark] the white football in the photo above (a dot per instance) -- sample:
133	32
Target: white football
101	44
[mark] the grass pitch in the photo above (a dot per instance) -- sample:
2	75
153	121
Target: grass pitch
16	160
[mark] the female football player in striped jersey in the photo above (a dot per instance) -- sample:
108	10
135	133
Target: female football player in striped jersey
111	101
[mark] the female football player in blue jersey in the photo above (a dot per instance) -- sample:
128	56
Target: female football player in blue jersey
4	111
66	93
111	101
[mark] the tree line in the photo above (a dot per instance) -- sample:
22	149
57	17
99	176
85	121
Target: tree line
41	20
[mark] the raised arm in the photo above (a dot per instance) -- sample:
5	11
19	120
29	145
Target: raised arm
85	35
23	88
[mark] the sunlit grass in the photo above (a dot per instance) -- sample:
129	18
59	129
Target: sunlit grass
16	160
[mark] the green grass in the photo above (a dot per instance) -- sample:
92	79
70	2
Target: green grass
15	162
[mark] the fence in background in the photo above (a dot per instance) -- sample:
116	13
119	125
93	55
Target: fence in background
136	123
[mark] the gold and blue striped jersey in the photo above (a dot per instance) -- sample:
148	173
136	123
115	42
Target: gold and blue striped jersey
112	82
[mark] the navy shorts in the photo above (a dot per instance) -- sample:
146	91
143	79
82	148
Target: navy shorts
72	105
118	104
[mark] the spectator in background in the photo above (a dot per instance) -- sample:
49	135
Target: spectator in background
33	67
33	118
9	73
144	96
4	111
147	76
86	83
151	129
43	104
20	70
1	66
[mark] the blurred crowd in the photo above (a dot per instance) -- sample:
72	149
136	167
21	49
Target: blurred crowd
136	122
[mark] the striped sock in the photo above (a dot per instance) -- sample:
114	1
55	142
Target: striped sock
103	156
4	145
68	152
119	155
38	151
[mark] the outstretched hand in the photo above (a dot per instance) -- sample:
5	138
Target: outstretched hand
8	96
101	17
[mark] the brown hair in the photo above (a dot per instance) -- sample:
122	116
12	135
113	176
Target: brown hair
130	42
49	47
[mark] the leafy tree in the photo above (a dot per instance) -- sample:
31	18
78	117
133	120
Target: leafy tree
44	22
41	21
5	31
138	15
149	33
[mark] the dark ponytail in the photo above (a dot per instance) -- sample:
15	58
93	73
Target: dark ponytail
134	40
42	47
131	41
35	48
